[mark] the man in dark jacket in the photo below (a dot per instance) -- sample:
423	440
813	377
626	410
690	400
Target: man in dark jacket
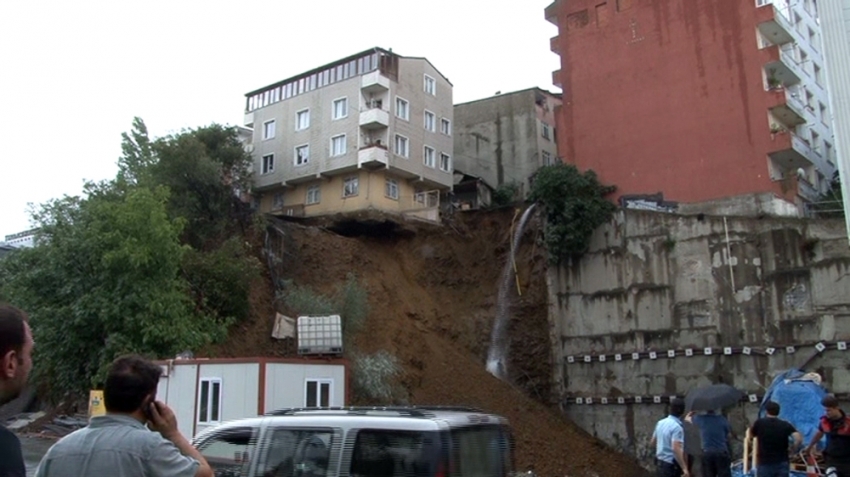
15	364
835	425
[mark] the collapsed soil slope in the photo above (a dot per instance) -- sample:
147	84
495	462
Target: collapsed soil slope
432	297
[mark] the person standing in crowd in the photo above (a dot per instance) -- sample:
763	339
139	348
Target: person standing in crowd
16	345
669	441
773	449
715	434
118	443
835	425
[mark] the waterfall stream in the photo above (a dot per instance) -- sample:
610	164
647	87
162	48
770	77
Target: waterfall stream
498	352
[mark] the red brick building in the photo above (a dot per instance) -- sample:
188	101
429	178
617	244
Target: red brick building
697	100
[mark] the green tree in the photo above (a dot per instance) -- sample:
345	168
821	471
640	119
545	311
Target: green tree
831	203
105	279
575	206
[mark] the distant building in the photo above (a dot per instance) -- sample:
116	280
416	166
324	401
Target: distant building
506	138
696	100
835	24
23	239
370	131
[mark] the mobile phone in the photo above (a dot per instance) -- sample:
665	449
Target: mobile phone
147	410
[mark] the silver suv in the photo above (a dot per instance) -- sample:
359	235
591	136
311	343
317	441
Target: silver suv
361	442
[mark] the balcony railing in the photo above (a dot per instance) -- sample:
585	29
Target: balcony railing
773	25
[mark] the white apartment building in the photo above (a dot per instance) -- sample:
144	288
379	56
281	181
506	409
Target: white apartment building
835	23
799	73
370	131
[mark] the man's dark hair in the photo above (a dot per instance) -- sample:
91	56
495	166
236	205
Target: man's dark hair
772	408
130	379
829	401
12	331
677	407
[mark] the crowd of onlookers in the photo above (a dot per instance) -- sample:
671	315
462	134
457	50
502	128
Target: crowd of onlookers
777	443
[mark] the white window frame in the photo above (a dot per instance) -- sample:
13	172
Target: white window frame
317	196
448	157
208	417
389	185
266	124
295	155
448	129
263	170
547	158
356	180
546	131
406	146
406	115
319	382
344	146
433	117
298	119
429	80
425	150
275	204
334	116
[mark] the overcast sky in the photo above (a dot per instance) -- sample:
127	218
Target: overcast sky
74	74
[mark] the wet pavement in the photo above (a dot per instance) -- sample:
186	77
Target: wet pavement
34	449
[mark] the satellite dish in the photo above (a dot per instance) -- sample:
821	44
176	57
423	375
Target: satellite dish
801	173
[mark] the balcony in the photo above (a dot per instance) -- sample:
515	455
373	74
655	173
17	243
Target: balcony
554	45
773	25
374	118
786	108
374	82
373	157
790	151
807	191
780	67
249	120
551	13
556	78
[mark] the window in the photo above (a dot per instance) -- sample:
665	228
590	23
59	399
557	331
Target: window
338	145
209	400
822	111
816	142
545	132
230	452
304	452
268	164
827	152
445	162
804	61
268	129
429	159
446	127
430	121
302	120
481	450
547	158
402	146
302	155
277	201
402	109
314	195
381	452
351	187
391	189
430	86
818	75
317	393
340	108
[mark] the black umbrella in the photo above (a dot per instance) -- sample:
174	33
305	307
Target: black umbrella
715	396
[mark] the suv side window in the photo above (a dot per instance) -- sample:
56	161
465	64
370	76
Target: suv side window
481	451
229	452
298	453
387	453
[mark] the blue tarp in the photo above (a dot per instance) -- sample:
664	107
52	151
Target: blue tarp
799	401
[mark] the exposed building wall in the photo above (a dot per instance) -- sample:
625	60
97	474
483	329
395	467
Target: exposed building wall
655	282
286	384
697	128
502	140
371	194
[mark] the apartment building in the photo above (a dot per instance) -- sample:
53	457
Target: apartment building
835	24
370	131
507	138
696	101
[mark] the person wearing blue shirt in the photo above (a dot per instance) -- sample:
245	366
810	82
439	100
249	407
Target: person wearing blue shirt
715	433
669	441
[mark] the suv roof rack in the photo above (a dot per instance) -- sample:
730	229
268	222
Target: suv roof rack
411	411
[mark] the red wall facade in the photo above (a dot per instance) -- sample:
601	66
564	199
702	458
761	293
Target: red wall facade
665	96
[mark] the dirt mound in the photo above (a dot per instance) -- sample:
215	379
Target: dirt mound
432	297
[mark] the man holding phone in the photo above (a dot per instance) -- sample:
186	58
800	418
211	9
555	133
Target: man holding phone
119	443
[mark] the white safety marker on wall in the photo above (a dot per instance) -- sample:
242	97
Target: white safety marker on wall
707	351
753	398
635	356
656	399
790	349
587	358
638	399
618	357
747	350
820	347
689	352
621	400
579	401
602	358
604	400
727	351
571	359
671	353
842	345
770	351
653	355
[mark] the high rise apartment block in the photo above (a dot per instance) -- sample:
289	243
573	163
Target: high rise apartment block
696	100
